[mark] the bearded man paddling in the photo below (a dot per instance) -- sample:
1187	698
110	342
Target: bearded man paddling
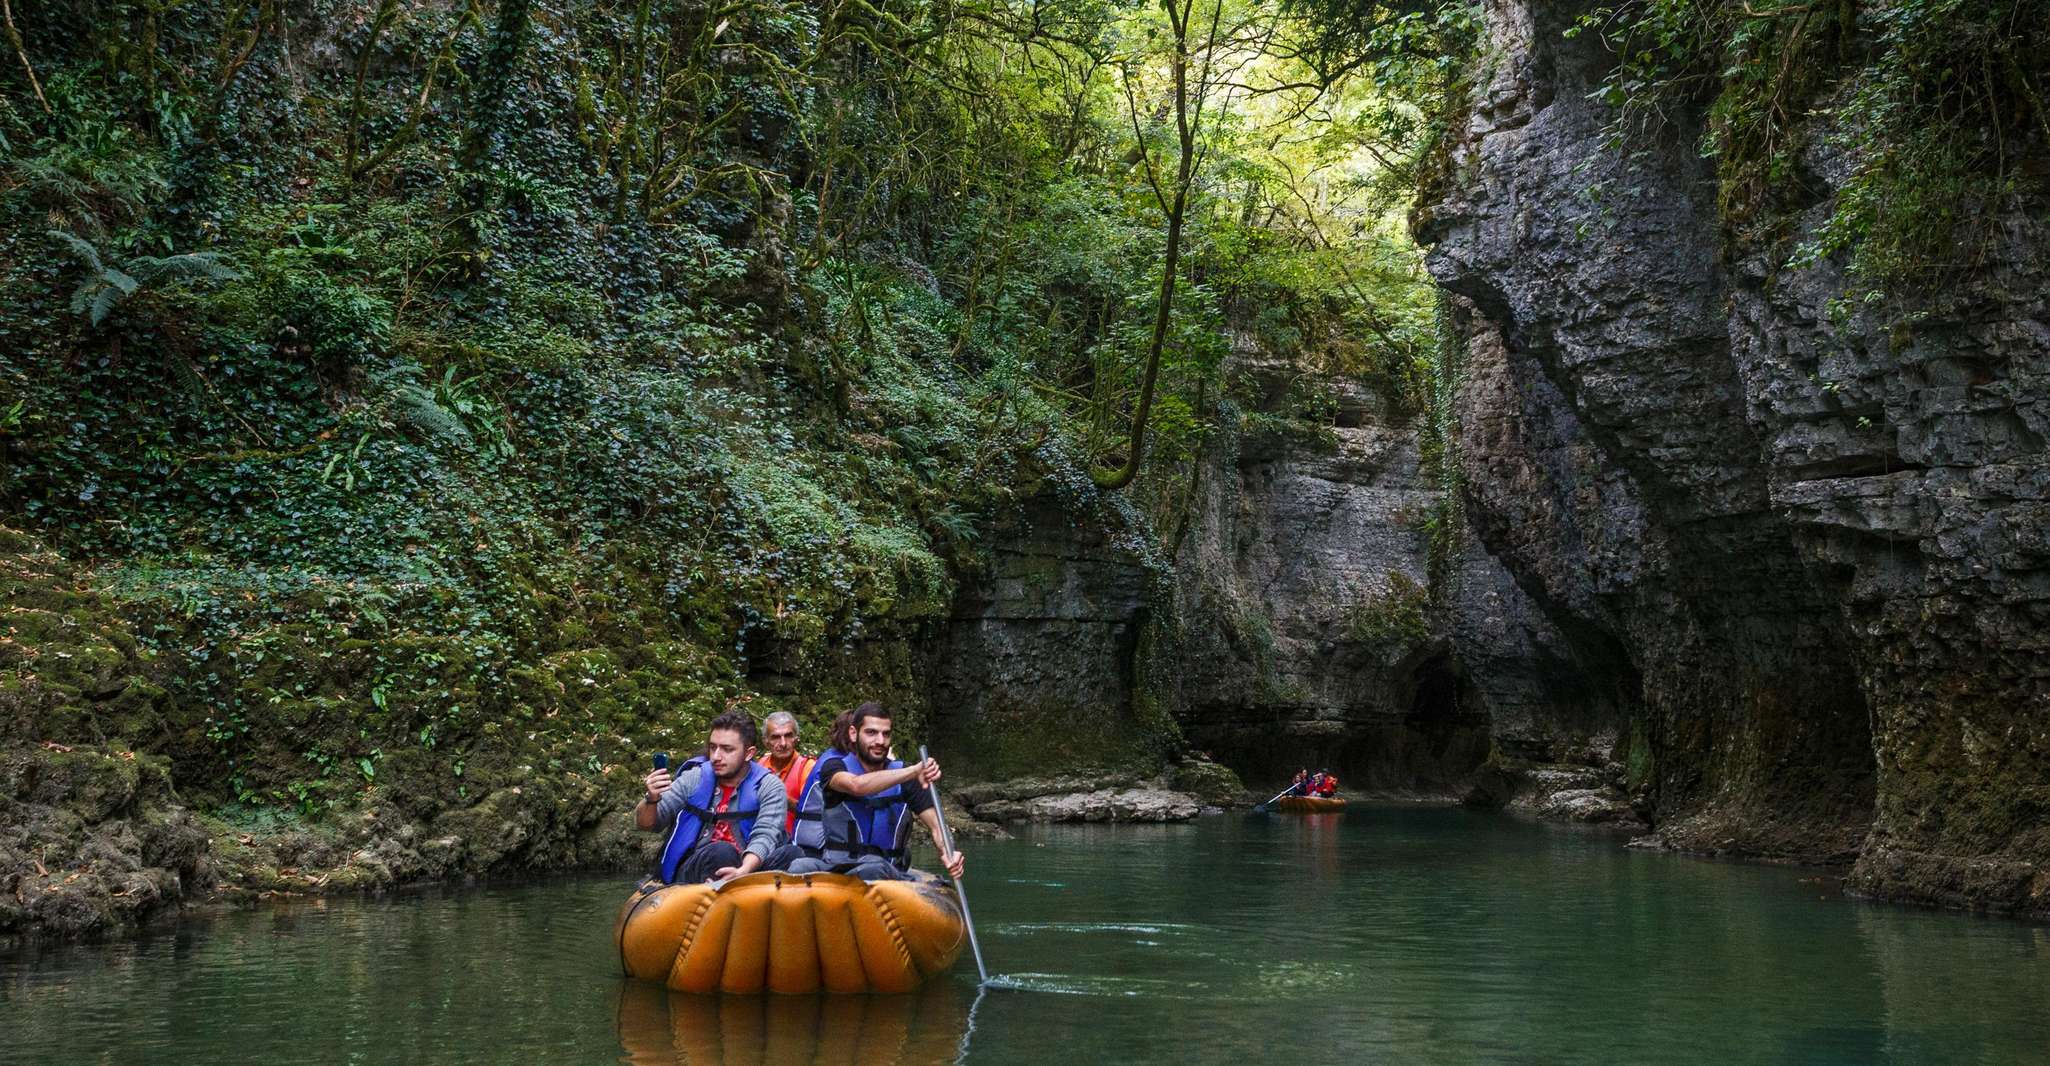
868	800
724	814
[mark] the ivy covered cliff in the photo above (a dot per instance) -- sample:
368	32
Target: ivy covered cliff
416	414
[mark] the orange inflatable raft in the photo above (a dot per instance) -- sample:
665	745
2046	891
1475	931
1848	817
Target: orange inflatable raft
1310	804
780	932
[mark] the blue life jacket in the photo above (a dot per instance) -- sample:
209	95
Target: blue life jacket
862	827
810	833
697	814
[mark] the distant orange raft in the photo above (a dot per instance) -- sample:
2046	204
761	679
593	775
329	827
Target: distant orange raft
1310	804
796	933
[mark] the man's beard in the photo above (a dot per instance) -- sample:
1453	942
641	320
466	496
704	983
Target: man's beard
876	756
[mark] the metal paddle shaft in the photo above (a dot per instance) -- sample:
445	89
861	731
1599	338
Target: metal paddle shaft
947	835
1276	799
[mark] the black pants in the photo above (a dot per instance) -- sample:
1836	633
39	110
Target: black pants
782	857
706	861
868	869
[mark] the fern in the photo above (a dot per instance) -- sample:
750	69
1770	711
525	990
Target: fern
92	186
105	286
205	266
81	250
415	403
102	291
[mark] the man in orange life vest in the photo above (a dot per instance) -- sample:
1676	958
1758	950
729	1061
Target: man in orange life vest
779	732
725	814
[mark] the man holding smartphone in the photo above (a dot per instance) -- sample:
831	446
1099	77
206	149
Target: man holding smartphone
725	815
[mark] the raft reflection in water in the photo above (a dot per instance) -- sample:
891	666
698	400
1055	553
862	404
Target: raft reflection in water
791	933
660	1026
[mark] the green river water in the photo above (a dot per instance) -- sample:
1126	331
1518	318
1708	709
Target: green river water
1389	935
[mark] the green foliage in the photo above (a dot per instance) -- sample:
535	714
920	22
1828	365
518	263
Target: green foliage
577	358
1436	384
453	410
1395	618
105	286
86	170
1762	65
1937	104
1946	117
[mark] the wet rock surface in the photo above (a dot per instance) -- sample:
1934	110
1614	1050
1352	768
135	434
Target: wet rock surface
1804	554
1578	794
1043	660
1101	805
1112	797
1586	794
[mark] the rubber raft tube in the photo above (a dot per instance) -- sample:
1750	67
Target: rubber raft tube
1310	804
794	933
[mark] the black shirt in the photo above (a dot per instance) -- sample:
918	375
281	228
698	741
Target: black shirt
916	798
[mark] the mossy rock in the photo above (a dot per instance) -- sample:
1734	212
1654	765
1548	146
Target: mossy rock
1212	783
91	839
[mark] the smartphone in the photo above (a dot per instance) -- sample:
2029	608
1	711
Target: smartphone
662	760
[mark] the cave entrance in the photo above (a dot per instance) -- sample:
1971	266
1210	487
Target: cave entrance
1450	723
1433	747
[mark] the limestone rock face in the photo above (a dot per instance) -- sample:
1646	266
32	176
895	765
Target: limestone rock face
1104	805
93	836
1082	797
92	841
1812	554
1025	788
1042	664
1314	632
1292	545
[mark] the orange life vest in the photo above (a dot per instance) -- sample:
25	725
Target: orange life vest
793	785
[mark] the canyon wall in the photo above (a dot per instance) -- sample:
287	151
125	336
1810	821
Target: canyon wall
1815	550
1317	629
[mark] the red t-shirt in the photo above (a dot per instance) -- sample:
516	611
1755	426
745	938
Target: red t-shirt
723	830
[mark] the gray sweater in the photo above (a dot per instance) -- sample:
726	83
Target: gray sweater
768	831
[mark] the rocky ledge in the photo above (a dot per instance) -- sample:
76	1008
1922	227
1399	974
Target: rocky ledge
1099	805
1585	795
1176	796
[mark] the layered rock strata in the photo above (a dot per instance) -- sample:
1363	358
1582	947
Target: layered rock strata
1045	662
1317	630
1816	553
1309	632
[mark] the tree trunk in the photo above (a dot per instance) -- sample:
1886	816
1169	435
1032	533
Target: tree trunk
494	85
